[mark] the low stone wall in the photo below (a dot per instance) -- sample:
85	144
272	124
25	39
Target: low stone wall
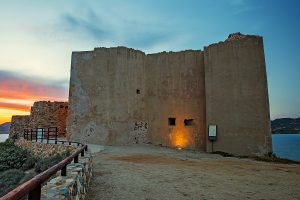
74	186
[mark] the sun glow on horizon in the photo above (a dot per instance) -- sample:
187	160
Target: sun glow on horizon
18	93
6	114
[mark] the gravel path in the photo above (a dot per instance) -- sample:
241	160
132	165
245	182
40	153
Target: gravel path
149	172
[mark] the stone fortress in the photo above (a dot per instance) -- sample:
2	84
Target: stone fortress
122	96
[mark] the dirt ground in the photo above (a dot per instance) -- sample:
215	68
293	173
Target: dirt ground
150	172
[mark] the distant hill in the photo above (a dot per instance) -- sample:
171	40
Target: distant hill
285	125
4	128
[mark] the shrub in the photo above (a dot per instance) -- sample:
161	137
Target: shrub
29	163
44	164
28	175
9	180
11	156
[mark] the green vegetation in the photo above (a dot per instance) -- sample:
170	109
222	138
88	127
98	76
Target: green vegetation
11	156
9	179
43	164
286	126
14	161
269	157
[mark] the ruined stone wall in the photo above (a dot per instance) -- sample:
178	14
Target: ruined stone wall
175	89
46	114
107	96
237	95
18	124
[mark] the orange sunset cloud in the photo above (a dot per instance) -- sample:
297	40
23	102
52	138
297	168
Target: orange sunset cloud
17	94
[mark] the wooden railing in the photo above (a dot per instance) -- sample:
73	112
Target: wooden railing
34	185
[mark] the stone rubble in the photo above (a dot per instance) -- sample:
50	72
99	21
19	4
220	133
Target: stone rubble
42	150
235	36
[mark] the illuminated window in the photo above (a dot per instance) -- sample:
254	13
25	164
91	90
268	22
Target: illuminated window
172	121
188	122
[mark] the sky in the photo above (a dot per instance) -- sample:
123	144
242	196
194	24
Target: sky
37	38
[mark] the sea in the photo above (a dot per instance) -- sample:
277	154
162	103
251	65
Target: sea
3	137
287	146
284	145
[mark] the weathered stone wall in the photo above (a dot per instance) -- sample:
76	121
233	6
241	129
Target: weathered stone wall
175	89
107	96
122	96
44	114
18	124
237	95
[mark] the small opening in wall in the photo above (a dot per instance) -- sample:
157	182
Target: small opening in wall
138	91
188	122
172	121
61	106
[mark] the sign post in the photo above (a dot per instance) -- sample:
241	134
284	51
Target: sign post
212	135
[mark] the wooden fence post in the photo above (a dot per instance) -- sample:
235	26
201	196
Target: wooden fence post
64	171
35	194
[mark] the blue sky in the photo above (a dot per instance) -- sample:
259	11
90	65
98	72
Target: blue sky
37	38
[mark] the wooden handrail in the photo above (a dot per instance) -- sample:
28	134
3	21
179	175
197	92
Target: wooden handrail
33	186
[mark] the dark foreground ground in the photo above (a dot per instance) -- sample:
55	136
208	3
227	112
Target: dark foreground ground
149	172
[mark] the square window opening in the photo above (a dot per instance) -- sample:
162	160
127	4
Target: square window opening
172	121
138	91
188	122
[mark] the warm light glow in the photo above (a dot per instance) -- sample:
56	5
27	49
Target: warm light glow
5	114
17	101
4	119
17	95
179	138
